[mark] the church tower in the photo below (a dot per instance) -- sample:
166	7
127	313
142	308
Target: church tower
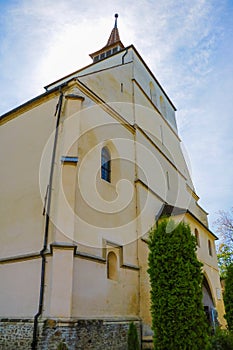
99	153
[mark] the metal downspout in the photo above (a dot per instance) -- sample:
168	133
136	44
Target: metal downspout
123	57
46	231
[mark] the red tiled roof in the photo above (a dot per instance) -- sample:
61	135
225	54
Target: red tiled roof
114	37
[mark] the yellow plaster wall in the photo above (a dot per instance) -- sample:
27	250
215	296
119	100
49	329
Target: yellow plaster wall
104	210
20	285
210	267
96	296
114	86
22	142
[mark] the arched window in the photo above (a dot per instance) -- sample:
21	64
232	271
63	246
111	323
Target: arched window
105	164
209	247
197	237
112	266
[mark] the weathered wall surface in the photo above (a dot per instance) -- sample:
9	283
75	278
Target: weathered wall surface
76	335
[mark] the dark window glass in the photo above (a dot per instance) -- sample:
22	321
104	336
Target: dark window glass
105	164
209	247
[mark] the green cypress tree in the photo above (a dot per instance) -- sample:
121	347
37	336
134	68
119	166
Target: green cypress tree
178	318
228	296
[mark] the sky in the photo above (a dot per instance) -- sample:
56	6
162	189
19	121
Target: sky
188	45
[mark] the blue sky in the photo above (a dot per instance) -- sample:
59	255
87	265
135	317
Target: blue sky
187	44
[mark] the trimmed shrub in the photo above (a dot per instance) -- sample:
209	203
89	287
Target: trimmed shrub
221	340
178	318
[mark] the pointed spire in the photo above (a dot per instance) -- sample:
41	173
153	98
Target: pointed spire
113	45
114	36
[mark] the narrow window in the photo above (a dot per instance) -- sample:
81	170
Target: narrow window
162	106
168	180
209	247
161	133
121	87
151	89
112	266
105	164
197	237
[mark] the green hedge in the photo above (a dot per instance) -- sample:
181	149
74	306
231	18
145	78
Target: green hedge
178	318
221	340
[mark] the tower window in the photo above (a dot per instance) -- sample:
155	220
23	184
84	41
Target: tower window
105	164
168	180
210	248
112	266
197	237
162	106
152	93
161	133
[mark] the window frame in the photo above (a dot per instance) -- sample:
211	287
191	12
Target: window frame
106	164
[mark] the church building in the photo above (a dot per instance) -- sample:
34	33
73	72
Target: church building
87	168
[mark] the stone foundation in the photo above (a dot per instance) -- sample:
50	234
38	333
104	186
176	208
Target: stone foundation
73	335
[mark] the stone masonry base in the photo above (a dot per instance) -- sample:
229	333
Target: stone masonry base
71	335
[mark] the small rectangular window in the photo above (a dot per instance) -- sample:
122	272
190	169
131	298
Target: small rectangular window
197	237
168	181
102	55
108	53
210	248
161	133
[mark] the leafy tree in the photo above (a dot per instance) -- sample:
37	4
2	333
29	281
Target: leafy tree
228	297
133	343
62	346
225	258
178	318
224	225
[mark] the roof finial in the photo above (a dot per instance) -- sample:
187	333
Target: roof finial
116	16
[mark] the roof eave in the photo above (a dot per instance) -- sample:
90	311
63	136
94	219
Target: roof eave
107	47
176	211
